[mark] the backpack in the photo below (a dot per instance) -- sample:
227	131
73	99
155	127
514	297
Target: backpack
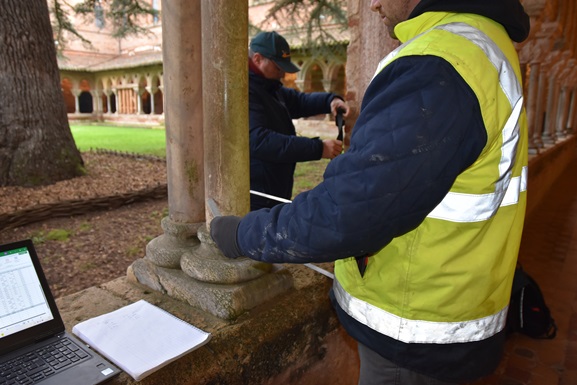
528	314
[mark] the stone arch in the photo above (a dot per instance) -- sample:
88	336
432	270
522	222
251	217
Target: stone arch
103	84
69	99
85	101
144	94
113	108
157	93
110	92
313	76
337	77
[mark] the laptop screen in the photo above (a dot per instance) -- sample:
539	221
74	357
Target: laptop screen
28	311
22	300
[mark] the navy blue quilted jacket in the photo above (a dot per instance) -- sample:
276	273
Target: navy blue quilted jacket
274	147
411	140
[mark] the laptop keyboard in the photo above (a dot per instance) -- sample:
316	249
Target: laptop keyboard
34	366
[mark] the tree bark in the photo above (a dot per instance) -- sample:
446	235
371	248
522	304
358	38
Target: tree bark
36	144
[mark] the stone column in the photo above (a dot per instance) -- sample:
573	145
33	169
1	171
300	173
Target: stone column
163	100
572	120
138	91
117	100
562	111
532	106
151	92
549	124
76	92
160	268
565	104
108	106
540	108
241	283
97	104
225	75
300	83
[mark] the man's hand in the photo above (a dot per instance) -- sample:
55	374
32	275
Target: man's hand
332	148
223	233
338	103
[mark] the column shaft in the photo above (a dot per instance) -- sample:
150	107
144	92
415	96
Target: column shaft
225	76
182	58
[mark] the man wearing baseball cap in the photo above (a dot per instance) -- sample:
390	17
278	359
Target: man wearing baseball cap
274	47
274	146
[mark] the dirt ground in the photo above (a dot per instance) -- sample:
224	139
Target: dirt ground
93	248
85	250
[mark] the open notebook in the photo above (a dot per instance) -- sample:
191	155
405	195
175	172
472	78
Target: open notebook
141	338
34	345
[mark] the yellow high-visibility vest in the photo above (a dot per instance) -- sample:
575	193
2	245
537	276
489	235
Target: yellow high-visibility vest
449	280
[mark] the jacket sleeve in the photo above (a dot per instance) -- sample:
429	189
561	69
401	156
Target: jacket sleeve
279	144
271	146
303	105
420	126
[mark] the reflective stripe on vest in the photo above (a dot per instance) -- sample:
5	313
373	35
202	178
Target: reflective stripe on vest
417	331
460	207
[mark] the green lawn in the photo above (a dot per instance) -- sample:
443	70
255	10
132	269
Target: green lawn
126	139
308	175
153	142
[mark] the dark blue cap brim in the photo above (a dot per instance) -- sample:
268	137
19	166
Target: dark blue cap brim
286	66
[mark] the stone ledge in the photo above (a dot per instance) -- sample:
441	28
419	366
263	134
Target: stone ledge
292	339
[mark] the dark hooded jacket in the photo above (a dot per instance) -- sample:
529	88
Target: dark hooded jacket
332	221
274	146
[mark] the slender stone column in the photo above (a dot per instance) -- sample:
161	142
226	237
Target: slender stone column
242	283
532	106
76	92
138	93
572	120
539	108
300	83
549	130
118	100
96	104
184	137
225	74
565	104
563	111
108	106
151	91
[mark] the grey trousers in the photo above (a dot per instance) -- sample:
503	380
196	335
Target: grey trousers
376	370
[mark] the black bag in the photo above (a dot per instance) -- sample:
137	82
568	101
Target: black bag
528	313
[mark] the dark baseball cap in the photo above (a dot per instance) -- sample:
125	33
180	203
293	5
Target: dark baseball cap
274	47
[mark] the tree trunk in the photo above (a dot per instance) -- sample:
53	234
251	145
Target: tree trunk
36	145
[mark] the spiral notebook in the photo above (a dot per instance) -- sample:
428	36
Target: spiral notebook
140	338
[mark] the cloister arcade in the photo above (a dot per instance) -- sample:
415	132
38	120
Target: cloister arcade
135	95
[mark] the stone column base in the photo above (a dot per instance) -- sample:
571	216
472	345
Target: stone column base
226	301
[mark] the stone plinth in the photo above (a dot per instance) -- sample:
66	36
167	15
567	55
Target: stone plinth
226	301
185	264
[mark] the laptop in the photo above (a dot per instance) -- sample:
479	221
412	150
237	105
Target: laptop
35	348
